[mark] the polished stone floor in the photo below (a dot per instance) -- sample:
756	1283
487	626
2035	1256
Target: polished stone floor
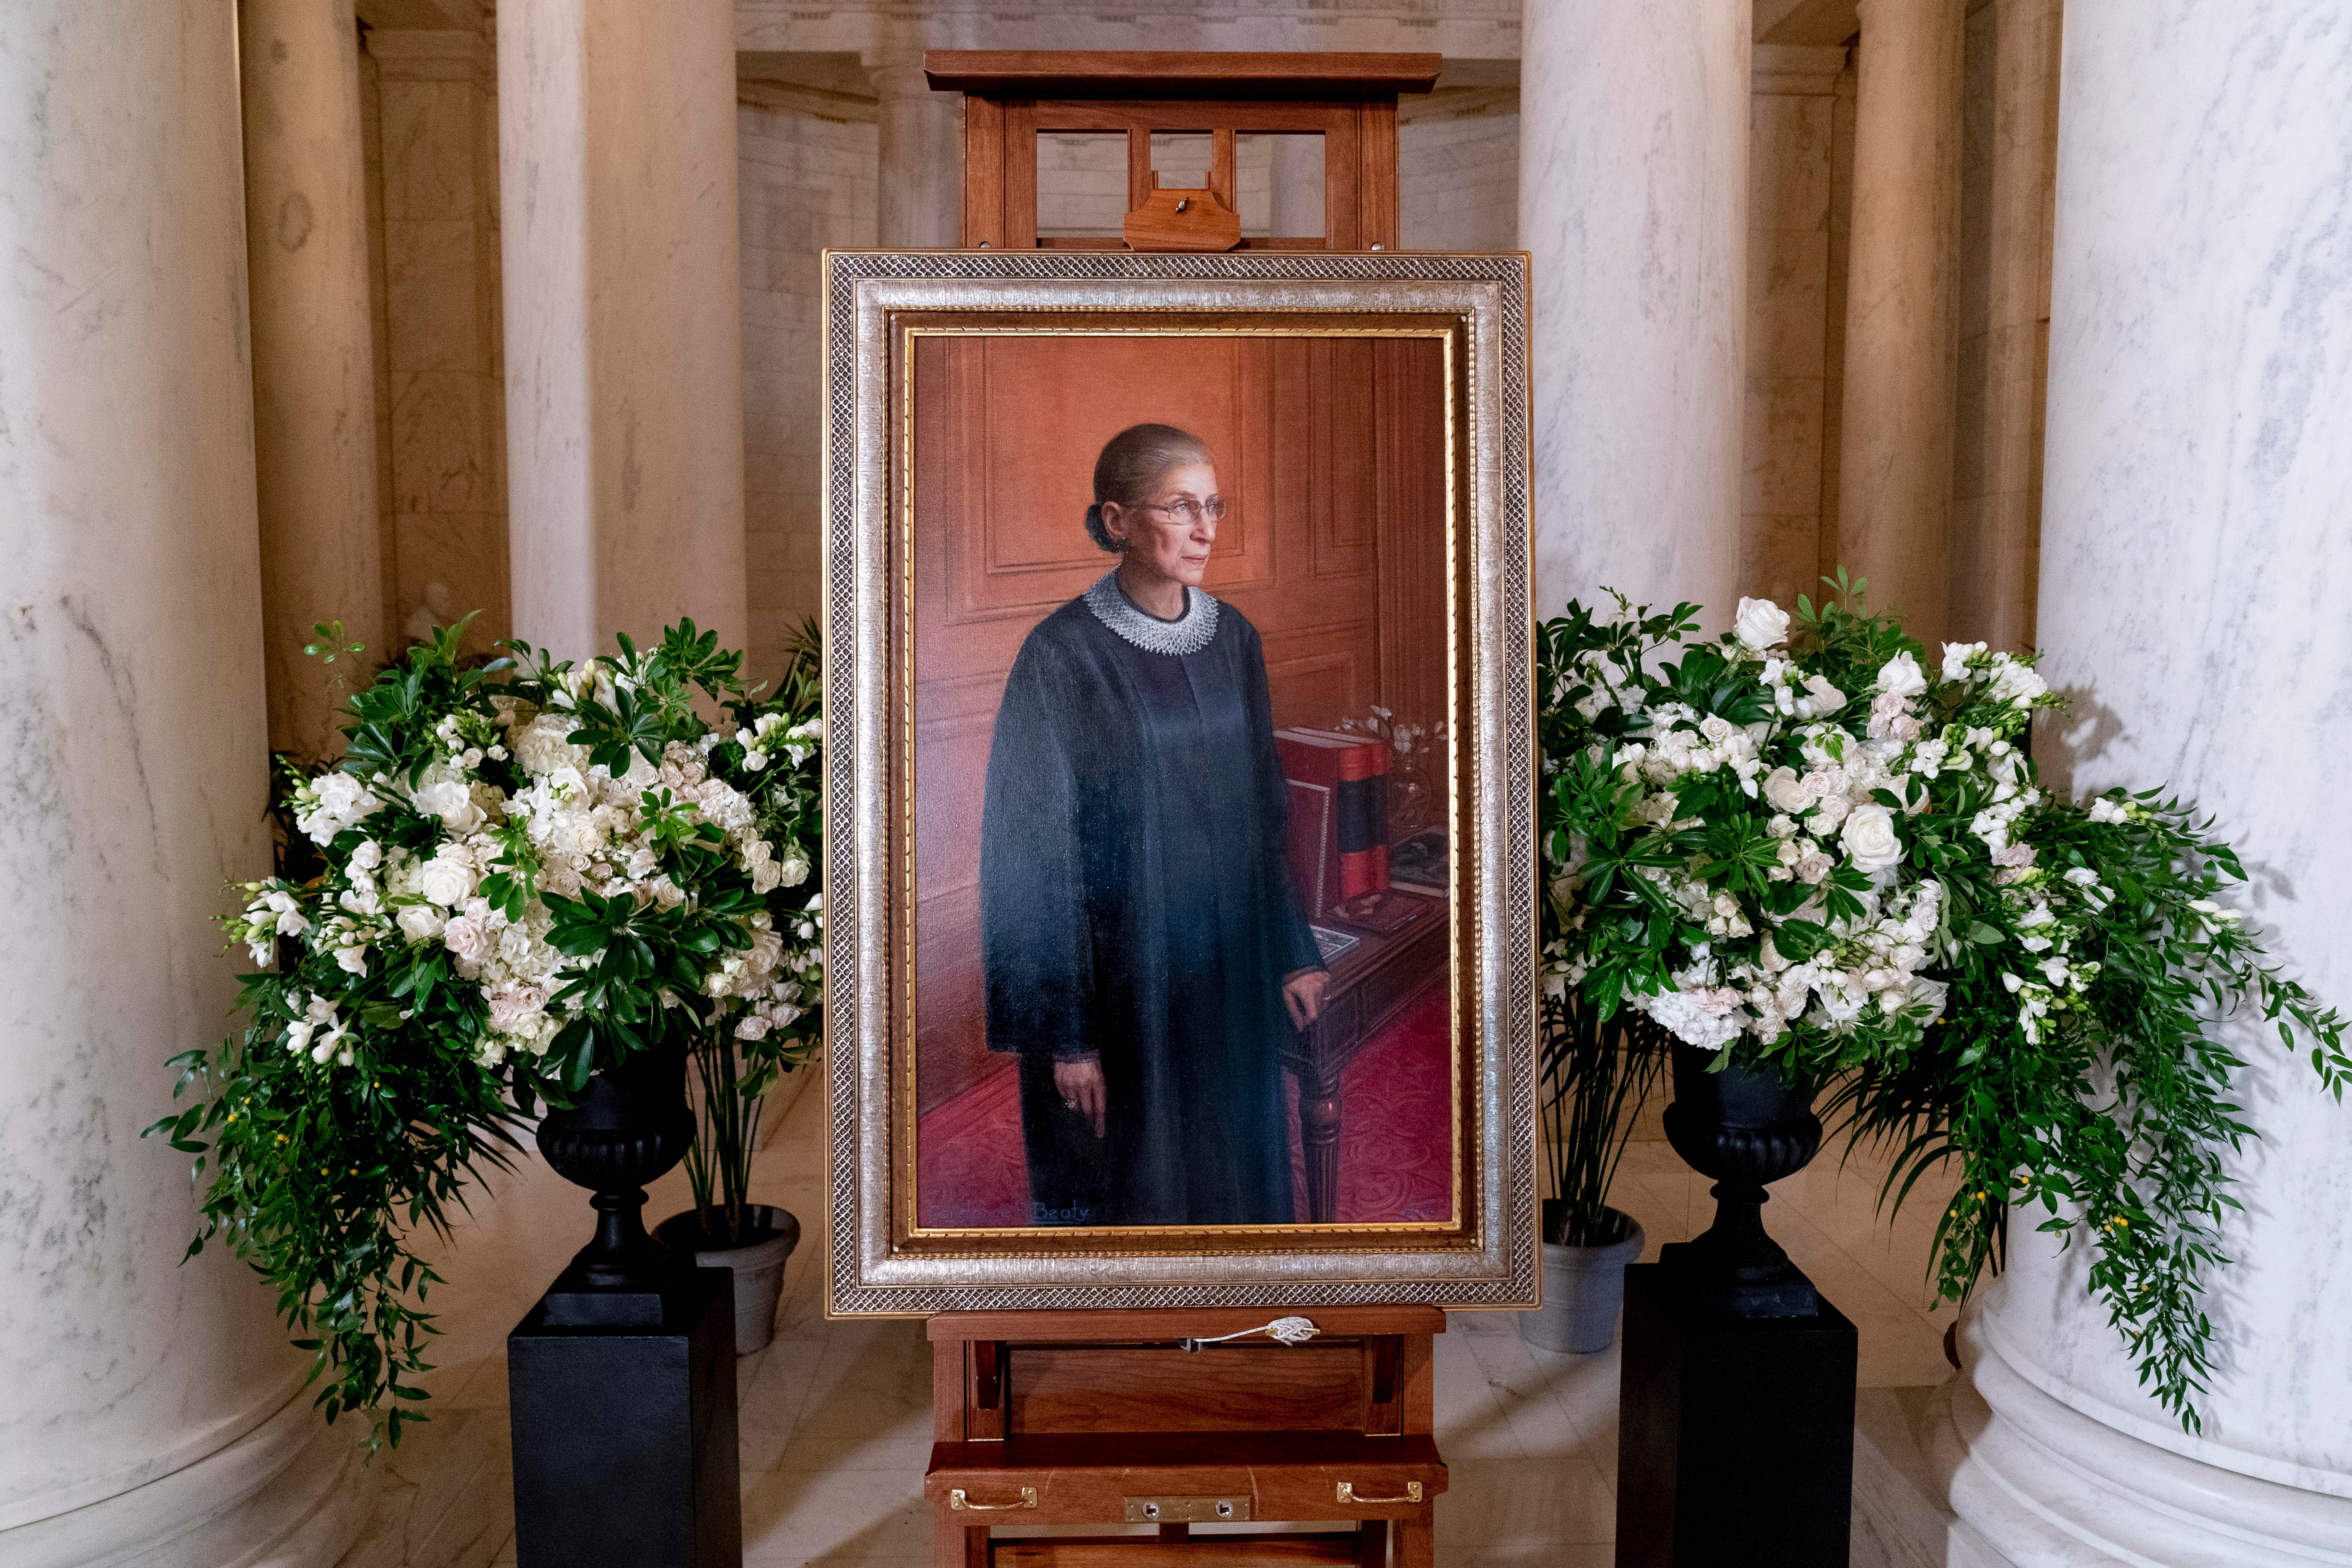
835	1416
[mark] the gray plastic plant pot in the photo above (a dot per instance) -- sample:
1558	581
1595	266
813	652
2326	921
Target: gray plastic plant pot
758	1265
1584	1289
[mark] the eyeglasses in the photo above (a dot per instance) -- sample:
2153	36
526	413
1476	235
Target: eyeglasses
1189	513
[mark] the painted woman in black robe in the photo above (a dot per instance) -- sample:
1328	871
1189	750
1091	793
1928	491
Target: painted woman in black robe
1144	952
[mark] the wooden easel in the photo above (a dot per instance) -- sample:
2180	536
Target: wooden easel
1104	1418
1010	96
1078	1418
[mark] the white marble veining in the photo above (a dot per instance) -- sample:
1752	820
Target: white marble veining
142	1398
622	319
2197	566
1634	201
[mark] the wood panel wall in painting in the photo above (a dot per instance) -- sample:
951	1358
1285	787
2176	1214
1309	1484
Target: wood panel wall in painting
1331	456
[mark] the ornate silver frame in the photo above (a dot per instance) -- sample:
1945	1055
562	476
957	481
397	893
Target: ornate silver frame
1495	1263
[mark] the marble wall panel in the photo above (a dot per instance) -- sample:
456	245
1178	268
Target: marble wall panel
1459	170
806	182
2010	128
441	344
1792	181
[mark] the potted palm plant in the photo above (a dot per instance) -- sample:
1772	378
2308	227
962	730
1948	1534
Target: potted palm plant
737	1062
1596	1075
1599	1064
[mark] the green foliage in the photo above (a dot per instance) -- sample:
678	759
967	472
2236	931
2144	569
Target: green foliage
2046	993
735	1073
1597	1065
375	1077
2112	1125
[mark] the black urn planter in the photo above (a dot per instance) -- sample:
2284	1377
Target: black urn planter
1744	1126
631	1125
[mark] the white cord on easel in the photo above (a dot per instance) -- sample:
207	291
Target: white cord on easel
1283	1331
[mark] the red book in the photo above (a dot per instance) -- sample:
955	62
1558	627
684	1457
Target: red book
1338	815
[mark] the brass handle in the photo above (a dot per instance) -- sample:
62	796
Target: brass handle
1348	1494
959	1503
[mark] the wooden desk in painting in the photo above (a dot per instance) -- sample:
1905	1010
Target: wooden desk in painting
1372	983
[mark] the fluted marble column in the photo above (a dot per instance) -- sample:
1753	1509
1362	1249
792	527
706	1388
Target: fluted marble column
2196	573
151	1411
313	351
919	140
623	320
1634	199
1902	320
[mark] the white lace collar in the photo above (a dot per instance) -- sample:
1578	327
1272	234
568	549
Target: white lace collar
1189	633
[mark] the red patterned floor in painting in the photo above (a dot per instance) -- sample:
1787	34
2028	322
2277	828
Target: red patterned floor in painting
1395	1151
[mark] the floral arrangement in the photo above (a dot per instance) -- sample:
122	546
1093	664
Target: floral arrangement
529	870
1807	845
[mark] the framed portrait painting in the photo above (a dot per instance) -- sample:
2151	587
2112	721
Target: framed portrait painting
1178	781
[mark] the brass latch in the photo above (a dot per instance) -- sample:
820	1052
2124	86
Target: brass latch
1187	1509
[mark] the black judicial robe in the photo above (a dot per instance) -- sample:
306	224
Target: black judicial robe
1136	906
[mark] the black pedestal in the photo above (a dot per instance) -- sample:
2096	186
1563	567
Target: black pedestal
1735	1435
624	1437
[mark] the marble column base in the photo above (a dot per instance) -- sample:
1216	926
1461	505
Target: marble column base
1989	1470
291	1493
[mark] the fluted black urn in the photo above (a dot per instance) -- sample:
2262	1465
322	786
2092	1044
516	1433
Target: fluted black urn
1745	1126
630	1125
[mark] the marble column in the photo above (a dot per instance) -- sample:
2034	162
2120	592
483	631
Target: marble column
314	353
920	153
1634	200
2195	572
152	1411
622	319
1902	323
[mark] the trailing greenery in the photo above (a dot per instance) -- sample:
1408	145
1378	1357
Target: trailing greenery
1803	843
518	873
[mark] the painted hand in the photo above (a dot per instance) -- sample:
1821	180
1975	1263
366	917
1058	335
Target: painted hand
1303	995
1080	1085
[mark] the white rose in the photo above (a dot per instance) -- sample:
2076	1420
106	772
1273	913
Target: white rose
446	880
453	802
793	872
1902	677
1786	791
421	922
468	938
2016	684
368	856
1870	840
1760	624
